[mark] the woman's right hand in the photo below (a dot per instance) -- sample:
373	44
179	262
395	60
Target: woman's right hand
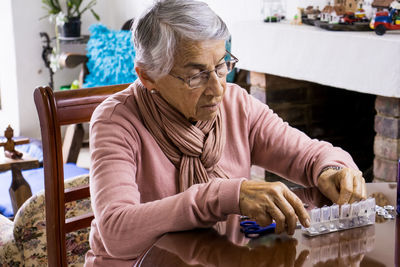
264	202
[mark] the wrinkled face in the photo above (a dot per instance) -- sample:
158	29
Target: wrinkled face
191	58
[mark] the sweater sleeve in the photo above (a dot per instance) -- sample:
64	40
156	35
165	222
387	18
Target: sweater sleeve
125	225
286	151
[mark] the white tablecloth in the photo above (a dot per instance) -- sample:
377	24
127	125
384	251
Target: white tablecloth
357	61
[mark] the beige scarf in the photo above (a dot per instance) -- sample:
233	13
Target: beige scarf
194	149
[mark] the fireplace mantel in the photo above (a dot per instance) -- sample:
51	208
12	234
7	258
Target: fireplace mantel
356	61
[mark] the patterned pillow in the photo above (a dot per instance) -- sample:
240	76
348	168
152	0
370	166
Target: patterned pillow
110	57
10	255
30	228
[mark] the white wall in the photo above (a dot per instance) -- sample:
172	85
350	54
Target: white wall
23	69
9	113
236	10
30	70
114	13
21	65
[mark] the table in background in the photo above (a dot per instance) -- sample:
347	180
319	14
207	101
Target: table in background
357	61
19	190
224	245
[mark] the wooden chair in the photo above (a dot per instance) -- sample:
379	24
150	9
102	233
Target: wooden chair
56	109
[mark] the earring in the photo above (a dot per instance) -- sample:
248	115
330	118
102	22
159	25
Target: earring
153	91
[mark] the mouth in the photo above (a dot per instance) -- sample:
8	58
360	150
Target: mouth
211	105
210	108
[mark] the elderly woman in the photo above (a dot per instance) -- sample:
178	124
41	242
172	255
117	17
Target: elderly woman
173	151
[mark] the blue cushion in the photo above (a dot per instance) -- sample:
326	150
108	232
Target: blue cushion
35	179
110	57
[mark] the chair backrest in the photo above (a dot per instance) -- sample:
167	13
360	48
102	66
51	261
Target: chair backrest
56	109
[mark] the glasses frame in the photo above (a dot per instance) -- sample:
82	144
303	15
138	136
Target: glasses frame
187	80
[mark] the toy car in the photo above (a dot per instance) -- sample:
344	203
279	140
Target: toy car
383	21
348	18
360	15
351	18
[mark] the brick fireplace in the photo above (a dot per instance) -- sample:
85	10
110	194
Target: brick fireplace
387	139
341	117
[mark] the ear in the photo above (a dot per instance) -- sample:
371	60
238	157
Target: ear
144	78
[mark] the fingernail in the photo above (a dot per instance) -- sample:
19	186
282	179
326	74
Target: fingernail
308	223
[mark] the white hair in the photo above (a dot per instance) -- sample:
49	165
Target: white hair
157	32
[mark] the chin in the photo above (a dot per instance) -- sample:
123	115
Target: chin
206	117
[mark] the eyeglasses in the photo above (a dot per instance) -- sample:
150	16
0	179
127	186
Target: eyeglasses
200	79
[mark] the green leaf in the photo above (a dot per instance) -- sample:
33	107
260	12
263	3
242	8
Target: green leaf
52	6
88	6
95	15
72	8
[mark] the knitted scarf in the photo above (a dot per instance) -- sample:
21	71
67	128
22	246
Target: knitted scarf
195	150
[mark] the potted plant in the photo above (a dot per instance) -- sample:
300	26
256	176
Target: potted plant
67	15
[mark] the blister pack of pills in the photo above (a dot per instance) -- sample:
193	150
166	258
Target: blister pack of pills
387	212
336	218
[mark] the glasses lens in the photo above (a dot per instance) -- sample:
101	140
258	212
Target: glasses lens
222	69
198	80
202	78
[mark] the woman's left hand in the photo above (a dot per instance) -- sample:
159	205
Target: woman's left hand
342	186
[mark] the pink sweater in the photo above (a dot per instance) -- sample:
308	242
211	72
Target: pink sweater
133	184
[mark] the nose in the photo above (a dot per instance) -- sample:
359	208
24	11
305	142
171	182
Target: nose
215	85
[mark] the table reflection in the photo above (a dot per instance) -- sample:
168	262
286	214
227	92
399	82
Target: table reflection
210	248
344	248
225	245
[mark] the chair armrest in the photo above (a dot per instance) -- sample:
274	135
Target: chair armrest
71	60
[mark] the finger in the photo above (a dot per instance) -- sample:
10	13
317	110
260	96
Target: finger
298	207
357	189
263	219
278	216
301	258
364	189
356	260
290	251
290	215
346	188
328	188
332	193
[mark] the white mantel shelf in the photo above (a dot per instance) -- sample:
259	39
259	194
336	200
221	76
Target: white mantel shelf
357	61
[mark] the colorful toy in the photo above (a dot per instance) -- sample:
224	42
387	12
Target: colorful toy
383	21
351	18
361	15
9	145
348	18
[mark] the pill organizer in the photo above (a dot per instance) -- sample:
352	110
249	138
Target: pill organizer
336	218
